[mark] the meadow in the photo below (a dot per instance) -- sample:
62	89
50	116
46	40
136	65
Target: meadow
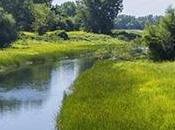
122	95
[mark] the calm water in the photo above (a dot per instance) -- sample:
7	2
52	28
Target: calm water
30	98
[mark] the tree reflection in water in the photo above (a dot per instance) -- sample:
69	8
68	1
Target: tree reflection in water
29	97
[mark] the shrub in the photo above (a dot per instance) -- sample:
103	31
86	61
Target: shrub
160	37
124	35
42	30
8	32
63	35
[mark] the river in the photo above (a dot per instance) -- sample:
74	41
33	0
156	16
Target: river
31	97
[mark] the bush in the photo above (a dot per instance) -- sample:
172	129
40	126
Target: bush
63	35
124	35
8	32
160	37
42	30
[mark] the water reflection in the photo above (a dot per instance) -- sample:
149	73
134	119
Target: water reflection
29	98
27	87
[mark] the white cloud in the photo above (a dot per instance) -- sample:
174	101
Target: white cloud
145	7
60	1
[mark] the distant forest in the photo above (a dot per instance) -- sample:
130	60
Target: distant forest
132	22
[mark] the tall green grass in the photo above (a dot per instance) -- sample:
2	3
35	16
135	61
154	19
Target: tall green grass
30	49
40	51
122	96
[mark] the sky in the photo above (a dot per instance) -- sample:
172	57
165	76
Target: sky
140	7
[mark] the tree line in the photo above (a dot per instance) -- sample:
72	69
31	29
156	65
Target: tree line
132	22
98	16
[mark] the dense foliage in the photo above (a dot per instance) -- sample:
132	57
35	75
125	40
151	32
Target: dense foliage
42	16
8	31
99	15
21	11
67	13
67	9
24	11
160	37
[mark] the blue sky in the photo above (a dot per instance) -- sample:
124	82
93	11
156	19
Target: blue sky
141	7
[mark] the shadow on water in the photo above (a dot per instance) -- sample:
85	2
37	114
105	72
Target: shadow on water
29	97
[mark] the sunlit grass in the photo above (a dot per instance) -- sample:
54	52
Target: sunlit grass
33	50
39	51
122	96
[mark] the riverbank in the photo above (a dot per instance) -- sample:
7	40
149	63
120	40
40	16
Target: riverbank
31	51
120	96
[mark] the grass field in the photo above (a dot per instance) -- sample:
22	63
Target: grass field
122	96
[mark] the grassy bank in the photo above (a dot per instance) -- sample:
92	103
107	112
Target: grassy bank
34	49
122	96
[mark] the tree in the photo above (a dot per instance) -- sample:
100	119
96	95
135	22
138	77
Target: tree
22	11
66	13
160	37
99	15
67	9
41	14
8	31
